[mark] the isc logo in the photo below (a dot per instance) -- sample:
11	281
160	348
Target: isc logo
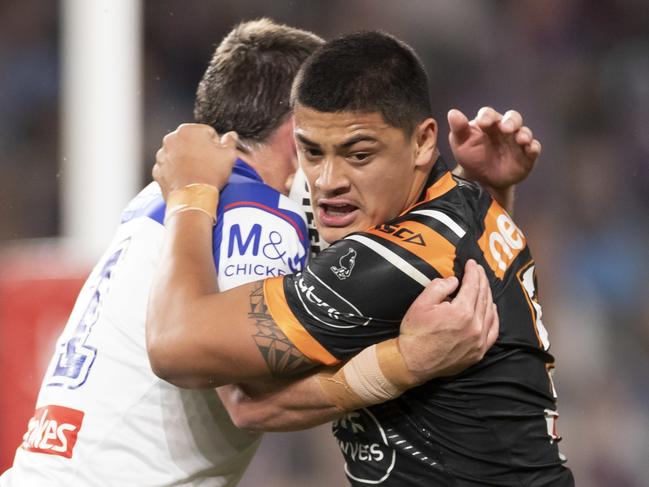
501	241
402	233
53	430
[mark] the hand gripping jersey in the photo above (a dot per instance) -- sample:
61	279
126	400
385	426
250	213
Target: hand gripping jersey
493	424
102	417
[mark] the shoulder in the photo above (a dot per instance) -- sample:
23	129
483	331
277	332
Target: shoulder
147	203
250	198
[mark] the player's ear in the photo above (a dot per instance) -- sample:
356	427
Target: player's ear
425	141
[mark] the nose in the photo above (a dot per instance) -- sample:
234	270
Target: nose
332	177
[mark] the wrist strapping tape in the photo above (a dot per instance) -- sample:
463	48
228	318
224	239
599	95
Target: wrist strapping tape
377	374
193	197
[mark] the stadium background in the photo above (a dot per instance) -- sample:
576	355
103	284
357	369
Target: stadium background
578	70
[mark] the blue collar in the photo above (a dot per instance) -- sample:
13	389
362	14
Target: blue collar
244	170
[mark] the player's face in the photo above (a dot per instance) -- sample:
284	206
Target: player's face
361	170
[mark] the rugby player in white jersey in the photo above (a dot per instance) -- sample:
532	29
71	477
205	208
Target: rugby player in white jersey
102	417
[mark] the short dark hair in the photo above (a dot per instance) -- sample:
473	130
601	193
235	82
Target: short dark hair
247	84
366	72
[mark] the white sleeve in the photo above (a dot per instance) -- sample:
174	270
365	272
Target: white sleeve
256	244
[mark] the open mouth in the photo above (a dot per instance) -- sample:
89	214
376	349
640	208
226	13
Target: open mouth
337	214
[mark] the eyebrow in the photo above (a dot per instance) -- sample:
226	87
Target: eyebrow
306	141
346	144
359	138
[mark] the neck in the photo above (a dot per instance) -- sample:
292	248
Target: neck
269	164
420	179
274	159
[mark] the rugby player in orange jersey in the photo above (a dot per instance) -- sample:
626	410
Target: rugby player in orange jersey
368	148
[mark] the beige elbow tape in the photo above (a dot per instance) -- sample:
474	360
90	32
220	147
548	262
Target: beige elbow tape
377	374
193	197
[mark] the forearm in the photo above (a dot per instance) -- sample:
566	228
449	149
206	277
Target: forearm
199	338
377	374
278	406
186	273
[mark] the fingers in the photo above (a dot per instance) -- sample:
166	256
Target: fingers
470	289
484	295
493	327
438	290
459	126
533	150
511	122
487	117
524	136
195	153
229	140
159	160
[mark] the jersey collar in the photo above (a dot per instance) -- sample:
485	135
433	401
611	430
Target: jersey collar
439	181
242	169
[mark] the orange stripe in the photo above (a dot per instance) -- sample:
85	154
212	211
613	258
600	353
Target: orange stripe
289	324
422	241
442	186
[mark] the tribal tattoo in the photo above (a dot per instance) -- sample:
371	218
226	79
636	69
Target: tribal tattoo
282	357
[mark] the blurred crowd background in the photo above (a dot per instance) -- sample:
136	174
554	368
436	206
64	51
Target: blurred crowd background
577	70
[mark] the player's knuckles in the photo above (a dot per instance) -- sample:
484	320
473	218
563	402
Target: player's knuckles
207	130
524	136
436	291
160	156
514	117
187	128
486	112
475	333
168	139
494	331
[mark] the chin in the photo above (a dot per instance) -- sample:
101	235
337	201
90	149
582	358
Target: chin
333	234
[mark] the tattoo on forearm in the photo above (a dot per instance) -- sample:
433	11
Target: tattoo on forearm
282	357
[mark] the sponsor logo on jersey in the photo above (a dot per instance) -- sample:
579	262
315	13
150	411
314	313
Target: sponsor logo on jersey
53	430
311	297
257	244
326	305
364	444
345	265
423	241
501	241
403	233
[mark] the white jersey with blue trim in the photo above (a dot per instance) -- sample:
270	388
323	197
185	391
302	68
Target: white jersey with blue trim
102	417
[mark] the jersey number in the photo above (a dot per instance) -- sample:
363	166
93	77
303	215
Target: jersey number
75	357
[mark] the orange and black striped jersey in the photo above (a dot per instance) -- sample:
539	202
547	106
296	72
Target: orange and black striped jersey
493	424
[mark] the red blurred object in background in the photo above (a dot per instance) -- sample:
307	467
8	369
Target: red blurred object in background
38	288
